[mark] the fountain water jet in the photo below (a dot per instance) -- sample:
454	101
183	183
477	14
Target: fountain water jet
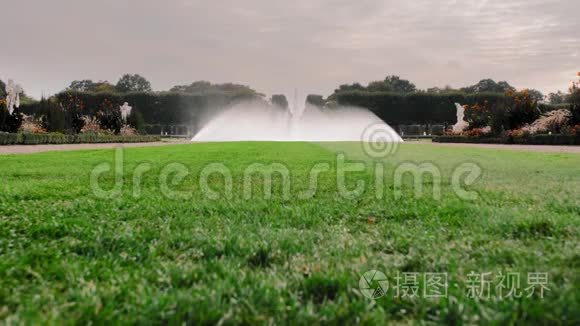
259	121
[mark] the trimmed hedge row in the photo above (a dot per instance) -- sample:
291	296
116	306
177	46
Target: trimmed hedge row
155	108
57	138
524	140
421	108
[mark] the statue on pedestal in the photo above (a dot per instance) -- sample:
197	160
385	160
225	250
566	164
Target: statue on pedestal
125	111
12	96
461	124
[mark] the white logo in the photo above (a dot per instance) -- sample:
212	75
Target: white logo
373	284
379	141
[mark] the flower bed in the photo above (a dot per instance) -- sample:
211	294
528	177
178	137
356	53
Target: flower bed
57	138
541	139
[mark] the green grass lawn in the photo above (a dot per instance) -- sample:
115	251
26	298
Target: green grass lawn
67	256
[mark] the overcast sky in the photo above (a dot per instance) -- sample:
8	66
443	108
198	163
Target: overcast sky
276	46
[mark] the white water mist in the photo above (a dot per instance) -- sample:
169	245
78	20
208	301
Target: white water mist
258	121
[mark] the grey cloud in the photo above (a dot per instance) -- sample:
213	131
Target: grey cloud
276	46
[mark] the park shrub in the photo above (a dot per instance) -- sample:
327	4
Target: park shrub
136	121
10	138
513	137
59	138
575	105
415	108
109	116
31	125
10	122
315	100
522	109
74	108
163	108
478	115
553	121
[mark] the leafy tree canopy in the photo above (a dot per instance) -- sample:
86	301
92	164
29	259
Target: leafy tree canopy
2	89
87	85
392	84
558	98
438	90
280	100
201	87
316	100
350	87
133	83
488	85
536	94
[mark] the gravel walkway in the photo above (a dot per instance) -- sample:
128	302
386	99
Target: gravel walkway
27	149
534	148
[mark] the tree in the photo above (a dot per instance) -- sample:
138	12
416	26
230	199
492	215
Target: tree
557	98
195	87
536	94
316	100
488	85
10	122
280	100
133	83
437	90
136	121
392	84
350	87
574	99
109	116
202	87
521	108
87	85
104	87
2	89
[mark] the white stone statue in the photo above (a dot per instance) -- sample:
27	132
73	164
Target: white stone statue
461	124
12	96
125	111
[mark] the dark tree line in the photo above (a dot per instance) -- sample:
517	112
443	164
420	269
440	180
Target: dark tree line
395	84
127	83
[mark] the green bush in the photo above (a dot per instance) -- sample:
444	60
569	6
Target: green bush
415	108
135	120
316	100
10	139
10	122
52	116
58	138
575	107
64	111
522	109
110	116
542	139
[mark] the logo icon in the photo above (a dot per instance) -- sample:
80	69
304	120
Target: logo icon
379	141
373	284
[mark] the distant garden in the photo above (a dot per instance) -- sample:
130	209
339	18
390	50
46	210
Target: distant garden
494	110
91	111
519	119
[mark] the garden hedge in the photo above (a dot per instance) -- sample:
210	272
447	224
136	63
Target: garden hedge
57	138
415	108
524	140
165	108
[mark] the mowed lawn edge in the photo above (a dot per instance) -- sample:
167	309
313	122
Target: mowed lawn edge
68	256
